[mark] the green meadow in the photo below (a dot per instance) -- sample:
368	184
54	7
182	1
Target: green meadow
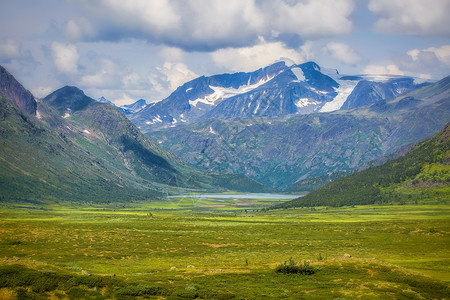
187	248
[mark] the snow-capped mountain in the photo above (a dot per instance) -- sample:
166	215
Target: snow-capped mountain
368	92
104	100
133	108
274	91
127	109
192	100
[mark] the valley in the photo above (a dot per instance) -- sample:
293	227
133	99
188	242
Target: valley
373	251
91	208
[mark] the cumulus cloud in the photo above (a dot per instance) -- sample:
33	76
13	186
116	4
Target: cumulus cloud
412	17
175	74
213	24
342	52
65	58
310	18
441	53
106	76
389	69
429	63
254	57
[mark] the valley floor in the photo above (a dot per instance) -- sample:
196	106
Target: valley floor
387	252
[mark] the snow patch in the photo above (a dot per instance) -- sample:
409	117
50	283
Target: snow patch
87	131
221	93
299	74
154	120
188	90
302	102
66	115
211	130
345	89
38	115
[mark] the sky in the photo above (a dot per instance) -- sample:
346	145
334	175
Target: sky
125	50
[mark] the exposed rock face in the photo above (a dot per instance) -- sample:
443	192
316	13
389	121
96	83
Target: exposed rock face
13	90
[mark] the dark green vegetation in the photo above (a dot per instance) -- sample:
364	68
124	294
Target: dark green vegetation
280	152
375	252
75	149
313	183
421	174
292	267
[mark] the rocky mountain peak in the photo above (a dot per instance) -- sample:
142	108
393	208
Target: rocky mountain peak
13	90
67	99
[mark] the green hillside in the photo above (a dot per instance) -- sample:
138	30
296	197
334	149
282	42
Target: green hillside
423	174
76	149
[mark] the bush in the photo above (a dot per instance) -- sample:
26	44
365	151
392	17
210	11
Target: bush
139	290
291	267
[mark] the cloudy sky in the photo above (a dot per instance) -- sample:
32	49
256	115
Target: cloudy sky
130	49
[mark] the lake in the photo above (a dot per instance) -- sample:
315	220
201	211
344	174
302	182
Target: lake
239	196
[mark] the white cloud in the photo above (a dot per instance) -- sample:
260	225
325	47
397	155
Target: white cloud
412	17
9	49
441	53
310	18
429	63
388	69
213	24
106	76
342	52
42	91
251	58
131	81
65	58
151	15
176	74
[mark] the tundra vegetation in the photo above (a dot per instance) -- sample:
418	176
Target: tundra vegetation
224	249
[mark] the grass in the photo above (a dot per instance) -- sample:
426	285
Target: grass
372	251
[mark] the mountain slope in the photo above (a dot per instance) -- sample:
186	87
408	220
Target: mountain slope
281	151
422	173
370	92
11	89
133	108
77	149
193	99
277	90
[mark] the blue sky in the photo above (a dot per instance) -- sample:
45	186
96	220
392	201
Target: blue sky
127	50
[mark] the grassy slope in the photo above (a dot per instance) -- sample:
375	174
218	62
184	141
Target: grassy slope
422	173
39	163
94	155
225	256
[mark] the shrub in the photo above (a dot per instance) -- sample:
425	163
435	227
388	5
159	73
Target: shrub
138	290
291	267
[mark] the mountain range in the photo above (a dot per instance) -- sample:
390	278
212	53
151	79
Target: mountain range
127	109
281	150
275	91
70	147
298	126
422	173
